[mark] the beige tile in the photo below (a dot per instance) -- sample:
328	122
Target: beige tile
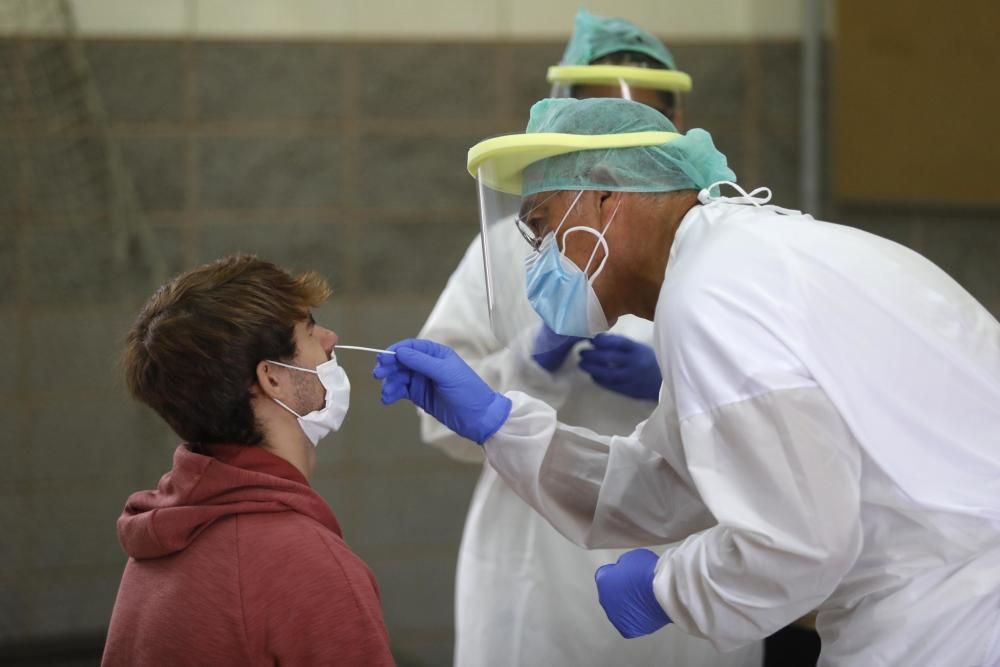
554	18
776	19
40	16
133	17
705	19
403	19
408	19
271	18
670	19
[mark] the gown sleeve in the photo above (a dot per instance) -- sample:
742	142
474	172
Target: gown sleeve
599	491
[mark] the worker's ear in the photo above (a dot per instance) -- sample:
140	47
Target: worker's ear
609	203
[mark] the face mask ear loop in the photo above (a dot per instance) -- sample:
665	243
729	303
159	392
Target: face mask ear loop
294	368
562	246
601	241
286	407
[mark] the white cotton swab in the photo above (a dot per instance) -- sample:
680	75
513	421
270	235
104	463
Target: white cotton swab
363	349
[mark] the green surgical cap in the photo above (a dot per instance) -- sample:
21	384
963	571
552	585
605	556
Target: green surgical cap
690	162
595	37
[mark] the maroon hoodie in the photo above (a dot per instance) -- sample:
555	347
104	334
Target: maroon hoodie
235	560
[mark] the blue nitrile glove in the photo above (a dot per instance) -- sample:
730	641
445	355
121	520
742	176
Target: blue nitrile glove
439	382
625	590
551	349
624	366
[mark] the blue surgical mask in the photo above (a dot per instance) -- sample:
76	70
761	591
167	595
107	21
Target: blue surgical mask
560	291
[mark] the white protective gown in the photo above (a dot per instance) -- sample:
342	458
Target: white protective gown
833	399
524	594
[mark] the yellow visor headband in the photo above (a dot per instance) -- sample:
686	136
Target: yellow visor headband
499	163
643	77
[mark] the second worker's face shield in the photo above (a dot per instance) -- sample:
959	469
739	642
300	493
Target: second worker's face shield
663	90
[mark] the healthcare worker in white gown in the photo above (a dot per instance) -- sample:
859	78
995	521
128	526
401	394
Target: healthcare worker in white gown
523	593
828	429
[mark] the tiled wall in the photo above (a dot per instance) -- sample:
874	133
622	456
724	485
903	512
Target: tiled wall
430	19
342	157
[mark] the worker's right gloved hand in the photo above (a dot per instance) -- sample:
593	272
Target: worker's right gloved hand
439	382
551	349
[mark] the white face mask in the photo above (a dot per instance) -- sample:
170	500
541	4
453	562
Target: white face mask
319	423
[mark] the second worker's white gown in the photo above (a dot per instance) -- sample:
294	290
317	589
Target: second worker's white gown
524	594
827	436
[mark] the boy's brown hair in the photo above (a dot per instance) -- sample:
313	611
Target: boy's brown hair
192	353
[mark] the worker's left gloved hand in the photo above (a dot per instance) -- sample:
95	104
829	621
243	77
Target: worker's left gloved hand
439	382
624	366
625	590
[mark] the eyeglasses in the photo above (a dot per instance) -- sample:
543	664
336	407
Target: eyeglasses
527	234
524	227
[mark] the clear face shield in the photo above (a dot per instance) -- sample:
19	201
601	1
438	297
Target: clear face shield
514	228
662	90
506	246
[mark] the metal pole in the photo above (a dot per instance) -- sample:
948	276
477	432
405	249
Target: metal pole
812	41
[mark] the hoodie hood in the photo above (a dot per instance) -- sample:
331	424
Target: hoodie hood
200	490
